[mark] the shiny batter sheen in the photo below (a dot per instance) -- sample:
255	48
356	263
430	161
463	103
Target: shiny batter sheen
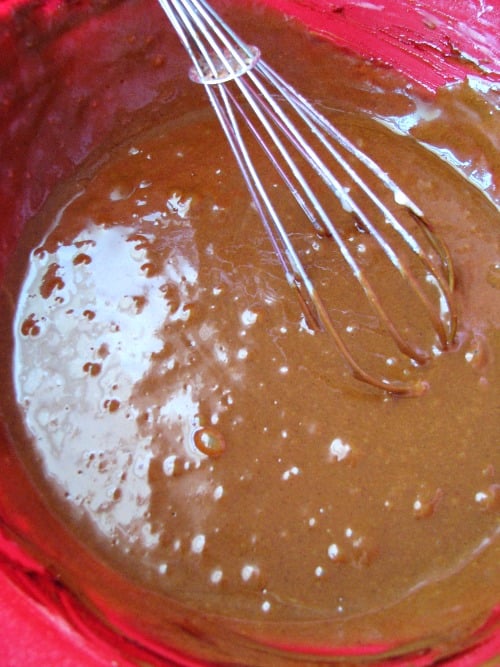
216	450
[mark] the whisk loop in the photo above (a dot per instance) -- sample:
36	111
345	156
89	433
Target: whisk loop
253	103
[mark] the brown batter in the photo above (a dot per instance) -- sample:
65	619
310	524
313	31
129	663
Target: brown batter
183	420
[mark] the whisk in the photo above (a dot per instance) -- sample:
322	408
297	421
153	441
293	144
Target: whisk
257	106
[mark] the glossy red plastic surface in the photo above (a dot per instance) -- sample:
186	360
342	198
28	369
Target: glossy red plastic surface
431	41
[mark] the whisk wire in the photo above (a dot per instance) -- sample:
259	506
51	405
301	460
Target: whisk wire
217	53
321	128
332	231
294	270
268	110
222	60
320	122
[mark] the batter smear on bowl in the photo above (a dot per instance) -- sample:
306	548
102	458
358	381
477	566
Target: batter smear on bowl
183	421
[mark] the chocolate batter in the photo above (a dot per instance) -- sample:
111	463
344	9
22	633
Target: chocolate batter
184	422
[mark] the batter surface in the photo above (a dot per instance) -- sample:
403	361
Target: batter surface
182	418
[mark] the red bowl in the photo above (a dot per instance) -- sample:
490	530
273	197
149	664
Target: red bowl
433	42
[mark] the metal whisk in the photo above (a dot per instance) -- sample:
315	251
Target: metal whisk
256	107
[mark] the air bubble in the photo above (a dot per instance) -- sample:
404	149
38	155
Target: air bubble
248	317
216	576
169	465
198	544
339	450
209	441
218	492
333	551
249	571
